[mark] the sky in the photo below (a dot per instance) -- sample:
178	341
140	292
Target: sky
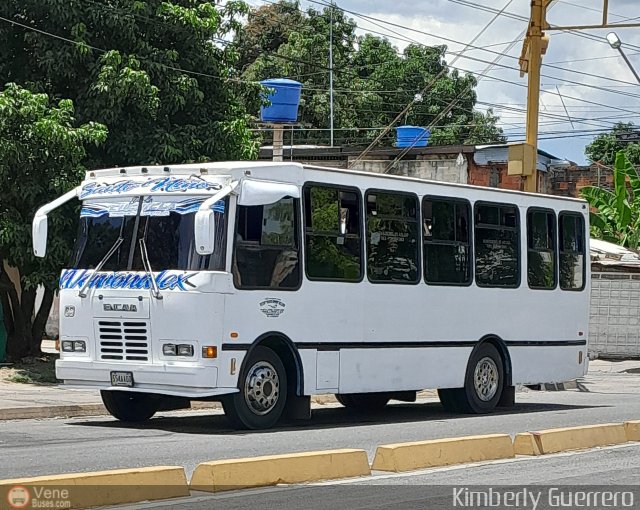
586	86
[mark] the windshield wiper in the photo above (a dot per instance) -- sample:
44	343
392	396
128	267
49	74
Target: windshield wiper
112	250
155	291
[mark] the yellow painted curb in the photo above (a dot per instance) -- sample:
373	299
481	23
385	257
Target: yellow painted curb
574	438
101	488
231	474
442	452
632	430
525	444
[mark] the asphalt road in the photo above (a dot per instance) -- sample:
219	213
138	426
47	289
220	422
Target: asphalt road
39	447
545	480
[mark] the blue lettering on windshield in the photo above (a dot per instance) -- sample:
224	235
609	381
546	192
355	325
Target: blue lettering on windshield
166	280
160	184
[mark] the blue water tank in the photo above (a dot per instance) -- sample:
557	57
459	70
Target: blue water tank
285	98
412	136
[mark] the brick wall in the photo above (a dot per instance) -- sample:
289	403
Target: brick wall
568	182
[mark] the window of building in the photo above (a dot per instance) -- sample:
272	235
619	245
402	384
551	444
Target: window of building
266	253
332	233
447	249
392	237
497	238
541	249
572	251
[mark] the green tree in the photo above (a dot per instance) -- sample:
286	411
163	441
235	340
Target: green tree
159	74
605	147
373	81
41	149
616	216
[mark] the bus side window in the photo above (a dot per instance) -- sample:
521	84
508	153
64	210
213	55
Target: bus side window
541	249
447	250
572	251
266	251
497	245
332	233
392	237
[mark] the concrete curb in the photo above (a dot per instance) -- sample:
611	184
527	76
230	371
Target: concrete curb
101	488
232	474
572	438
80	410
442	452
632	430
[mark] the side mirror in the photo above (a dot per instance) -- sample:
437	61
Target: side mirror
39	235
205	232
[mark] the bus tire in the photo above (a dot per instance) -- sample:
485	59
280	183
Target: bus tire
449	398
484	381
263	392
364	402
129	406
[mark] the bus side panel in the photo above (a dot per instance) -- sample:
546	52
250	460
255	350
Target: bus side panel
533	365
384	369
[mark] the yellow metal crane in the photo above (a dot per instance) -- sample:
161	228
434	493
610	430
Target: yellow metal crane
523	158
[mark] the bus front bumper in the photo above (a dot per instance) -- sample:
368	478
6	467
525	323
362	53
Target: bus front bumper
179	381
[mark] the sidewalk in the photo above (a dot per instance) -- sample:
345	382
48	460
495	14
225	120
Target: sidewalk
25	401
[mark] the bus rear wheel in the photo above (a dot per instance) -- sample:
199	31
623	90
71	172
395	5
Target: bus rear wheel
263	392
129	406
484	380
363	402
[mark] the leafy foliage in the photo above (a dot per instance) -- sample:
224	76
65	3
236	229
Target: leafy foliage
617	213
373	82
158	74
41	152
604	148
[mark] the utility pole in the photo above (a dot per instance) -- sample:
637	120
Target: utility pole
523	158
331	71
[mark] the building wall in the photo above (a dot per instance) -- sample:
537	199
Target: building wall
444	169
568	182
614	326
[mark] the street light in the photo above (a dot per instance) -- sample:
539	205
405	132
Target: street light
616	44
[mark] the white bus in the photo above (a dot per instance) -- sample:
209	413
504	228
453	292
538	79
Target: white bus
260	284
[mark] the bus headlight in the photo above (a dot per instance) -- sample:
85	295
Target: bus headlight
74	346
169	349
185	350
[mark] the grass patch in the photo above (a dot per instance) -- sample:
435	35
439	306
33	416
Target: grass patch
36	370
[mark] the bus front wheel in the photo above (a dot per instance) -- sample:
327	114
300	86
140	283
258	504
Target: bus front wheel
129	406
363	402
484	380
263	392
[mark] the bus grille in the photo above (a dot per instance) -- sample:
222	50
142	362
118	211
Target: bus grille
123	340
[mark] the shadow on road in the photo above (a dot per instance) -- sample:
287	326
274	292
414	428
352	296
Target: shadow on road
321	418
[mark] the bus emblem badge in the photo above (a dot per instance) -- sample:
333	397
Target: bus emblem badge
120	308
272	307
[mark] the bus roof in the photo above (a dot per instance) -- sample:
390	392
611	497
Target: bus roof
285	172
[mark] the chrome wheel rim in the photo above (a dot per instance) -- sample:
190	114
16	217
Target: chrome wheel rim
262	388
485	379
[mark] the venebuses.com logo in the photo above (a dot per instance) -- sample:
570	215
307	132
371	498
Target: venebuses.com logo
38	497
18	497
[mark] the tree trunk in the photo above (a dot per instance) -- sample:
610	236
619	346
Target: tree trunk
19	338
40	321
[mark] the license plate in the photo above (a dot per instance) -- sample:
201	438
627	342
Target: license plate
122	379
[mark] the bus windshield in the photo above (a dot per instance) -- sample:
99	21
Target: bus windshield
166	227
